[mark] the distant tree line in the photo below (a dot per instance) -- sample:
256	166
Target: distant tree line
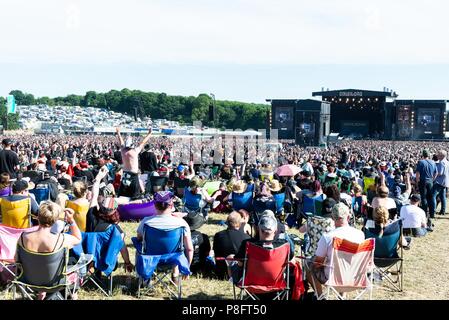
229	114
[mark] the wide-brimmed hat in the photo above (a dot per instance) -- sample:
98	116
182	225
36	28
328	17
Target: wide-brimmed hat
274	185
239	186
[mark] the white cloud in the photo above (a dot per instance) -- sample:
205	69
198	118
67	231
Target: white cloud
231	31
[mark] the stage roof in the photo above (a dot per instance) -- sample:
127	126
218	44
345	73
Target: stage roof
354	93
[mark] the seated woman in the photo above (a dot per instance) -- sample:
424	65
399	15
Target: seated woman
381	221
103	214
80	204
196	197
43	240
221	204
359	201
5	188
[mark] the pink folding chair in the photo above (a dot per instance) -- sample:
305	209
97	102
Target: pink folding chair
9	237
351	269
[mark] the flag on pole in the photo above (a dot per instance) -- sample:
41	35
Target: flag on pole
11	104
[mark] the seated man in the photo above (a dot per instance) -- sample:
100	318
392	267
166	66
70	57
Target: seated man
267	231
165	220
19	192
227	242
317	268
414	219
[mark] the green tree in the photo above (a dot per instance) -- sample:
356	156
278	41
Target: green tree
13	118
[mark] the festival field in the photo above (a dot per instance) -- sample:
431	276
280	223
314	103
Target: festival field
425	271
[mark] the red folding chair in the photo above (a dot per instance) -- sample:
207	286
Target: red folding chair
265	271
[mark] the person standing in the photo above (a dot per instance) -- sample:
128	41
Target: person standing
9	160
441	183
426	171
130	184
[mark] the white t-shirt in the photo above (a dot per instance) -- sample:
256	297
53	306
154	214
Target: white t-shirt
164	222
413	216
325	244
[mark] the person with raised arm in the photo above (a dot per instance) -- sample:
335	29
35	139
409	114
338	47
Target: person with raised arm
130	185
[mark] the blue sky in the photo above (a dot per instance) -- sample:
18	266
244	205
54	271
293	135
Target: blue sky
246	50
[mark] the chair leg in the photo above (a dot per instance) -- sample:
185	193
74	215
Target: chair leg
111	278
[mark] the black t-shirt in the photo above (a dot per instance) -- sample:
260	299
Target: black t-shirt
148	161
8	162
85	173
228	242
267	244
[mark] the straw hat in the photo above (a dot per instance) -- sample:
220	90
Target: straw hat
239	187
274	185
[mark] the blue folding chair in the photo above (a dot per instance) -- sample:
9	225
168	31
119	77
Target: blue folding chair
312	205
388	253
105	247
242	201
191	201
279	199
41	193
157	255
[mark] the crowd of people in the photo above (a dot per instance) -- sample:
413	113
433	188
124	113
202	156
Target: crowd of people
362	184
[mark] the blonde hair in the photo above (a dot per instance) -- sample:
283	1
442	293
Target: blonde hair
382	192
357	188
79	189
49	213
380	217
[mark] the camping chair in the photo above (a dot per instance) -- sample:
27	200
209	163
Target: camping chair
8	244
389	254
41	192
312	205
279	199
156	256
259	206
157	183
316	227
104	247
47	272
179	185
16	214
265	271
80	213
242	201
350	269
211	186
191	201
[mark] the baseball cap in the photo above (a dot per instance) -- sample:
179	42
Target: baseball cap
181	168
19	186
268	223
7	142
163	197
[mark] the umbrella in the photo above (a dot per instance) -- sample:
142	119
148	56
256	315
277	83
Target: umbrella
288	170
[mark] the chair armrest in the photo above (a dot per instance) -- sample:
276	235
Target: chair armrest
83	262
229	259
